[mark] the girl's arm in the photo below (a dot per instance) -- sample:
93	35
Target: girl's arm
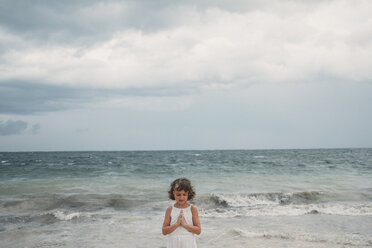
196	228
167	227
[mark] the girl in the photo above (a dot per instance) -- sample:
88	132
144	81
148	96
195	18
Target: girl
181	220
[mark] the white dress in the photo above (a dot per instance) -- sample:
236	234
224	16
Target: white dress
181	237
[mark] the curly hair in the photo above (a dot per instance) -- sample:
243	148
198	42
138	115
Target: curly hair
182	184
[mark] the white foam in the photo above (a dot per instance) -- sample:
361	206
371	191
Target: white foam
345	209
241	200
350	239
356	209
246	233
65	216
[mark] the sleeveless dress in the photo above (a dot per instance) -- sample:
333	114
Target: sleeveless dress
181	237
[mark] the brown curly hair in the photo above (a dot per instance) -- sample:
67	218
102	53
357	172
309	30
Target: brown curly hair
182	184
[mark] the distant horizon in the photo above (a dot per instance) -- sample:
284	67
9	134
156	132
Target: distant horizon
171	150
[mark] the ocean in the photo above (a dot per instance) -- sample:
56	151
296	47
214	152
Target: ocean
246	198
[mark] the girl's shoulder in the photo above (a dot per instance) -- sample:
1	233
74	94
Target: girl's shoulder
169	210
194	208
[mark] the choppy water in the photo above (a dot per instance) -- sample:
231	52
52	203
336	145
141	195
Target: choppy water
255	198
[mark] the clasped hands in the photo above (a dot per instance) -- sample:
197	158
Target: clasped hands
181	219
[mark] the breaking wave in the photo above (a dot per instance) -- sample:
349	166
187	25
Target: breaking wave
80	202
60	215
279	204
43	218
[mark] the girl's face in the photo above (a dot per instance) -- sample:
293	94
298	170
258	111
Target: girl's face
181	197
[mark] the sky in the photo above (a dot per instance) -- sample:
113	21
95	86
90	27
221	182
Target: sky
179	75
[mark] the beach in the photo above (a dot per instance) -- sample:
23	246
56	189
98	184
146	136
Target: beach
246	198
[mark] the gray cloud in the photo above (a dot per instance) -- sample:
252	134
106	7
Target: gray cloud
19	97
84	21
12	127
118	60
186	42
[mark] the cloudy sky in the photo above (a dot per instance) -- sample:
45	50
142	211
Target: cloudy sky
164	74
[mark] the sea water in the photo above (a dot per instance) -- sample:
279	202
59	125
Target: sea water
246	198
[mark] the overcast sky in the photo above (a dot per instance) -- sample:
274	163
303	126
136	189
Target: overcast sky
164	74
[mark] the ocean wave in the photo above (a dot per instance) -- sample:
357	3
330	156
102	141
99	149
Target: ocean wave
60	215
261	199
278	204
42	218
291	210
80	202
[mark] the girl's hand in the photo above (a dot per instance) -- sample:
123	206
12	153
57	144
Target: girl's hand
183	221
180	218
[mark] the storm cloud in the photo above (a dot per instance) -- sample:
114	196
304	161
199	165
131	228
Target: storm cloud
130	60
190	45
17	97
11	127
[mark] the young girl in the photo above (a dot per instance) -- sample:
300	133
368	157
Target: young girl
181	220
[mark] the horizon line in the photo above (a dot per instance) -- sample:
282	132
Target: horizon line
180	150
